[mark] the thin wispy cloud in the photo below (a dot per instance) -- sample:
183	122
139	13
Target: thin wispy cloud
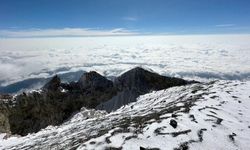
65	32
130	18
225	25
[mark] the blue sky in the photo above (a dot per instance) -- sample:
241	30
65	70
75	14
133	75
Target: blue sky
18	17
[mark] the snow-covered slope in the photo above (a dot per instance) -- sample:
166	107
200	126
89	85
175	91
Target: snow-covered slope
209	116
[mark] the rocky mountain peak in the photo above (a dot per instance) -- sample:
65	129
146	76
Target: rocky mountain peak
144	80
53	84
134	78
136	82
58	101
94	80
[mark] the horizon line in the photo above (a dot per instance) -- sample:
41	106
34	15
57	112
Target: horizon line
94	32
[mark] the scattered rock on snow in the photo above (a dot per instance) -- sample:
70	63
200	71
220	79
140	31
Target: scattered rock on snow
142	148
231	136
173	123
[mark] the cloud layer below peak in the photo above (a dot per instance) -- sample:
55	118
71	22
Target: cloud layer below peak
187	56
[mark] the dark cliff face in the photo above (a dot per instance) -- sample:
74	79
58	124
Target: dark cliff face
94	81
58	101
136	82
144	80
55	103
53	84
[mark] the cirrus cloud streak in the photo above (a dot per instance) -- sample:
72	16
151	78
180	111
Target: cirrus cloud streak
65	32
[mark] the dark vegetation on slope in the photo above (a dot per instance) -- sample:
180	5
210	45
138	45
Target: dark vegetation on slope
57	101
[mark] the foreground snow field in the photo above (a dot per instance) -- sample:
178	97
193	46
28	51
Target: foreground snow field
215	115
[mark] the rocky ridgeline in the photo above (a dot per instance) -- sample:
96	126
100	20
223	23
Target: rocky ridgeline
57	101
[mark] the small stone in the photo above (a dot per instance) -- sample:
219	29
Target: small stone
174	115
142	148
92	142
235	97
173	123
231	136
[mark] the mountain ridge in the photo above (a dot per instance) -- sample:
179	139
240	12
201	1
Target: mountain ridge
57	101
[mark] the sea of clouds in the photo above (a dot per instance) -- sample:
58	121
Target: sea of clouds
188	56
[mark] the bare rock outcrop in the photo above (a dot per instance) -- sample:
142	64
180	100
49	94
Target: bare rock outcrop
57	101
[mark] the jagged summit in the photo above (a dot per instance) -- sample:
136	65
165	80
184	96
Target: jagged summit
58	101
145	80
94	80
135	77
136	82
53	84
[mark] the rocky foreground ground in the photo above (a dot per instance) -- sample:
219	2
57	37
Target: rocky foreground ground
211	115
